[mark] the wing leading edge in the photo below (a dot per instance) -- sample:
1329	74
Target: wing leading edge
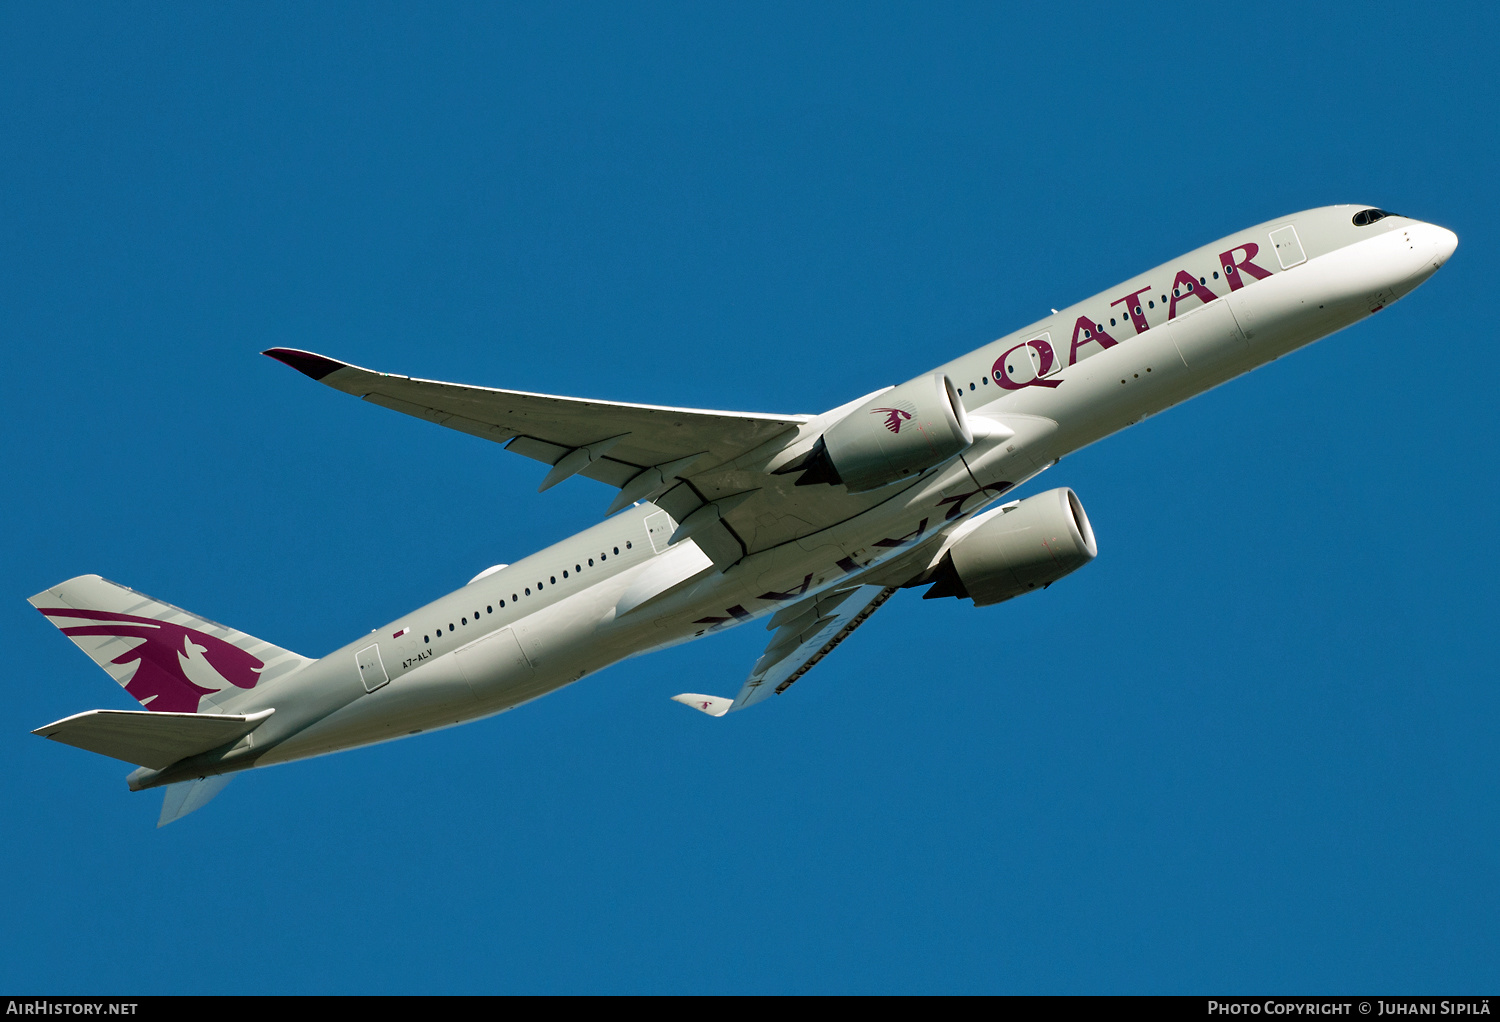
641	449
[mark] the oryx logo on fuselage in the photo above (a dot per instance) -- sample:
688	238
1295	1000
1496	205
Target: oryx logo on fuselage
169	659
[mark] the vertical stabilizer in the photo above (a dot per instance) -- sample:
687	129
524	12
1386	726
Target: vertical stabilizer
184	797
165	657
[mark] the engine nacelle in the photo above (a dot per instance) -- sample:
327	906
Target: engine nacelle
899	434
1028	547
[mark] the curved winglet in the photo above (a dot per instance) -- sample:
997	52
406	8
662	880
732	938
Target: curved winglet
714	706
306	362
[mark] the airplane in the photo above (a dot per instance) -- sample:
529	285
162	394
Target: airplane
812	522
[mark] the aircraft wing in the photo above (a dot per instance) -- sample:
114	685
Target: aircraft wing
805	633
639	448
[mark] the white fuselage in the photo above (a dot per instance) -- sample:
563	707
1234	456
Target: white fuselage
618	589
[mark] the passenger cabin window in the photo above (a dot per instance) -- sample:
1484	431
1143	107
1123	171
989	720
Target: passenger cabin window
1366	217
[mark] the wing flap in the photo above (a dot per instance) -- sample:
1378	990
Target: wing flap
611	473
483	430
155	740
807	637
538	450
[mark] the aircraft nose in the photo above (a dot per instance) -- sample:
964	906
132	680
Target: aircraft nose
1447	243
1439	242
1424	248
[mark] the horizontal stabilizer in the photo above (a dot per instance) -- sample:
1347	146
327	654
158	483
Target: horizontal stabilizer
714	706
155	740
185	796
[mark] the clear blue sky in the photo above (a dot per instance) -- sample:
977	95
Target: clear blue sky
1250	748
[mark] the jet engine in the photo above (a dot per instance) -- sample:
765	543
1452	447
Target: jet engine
1029	545
896	435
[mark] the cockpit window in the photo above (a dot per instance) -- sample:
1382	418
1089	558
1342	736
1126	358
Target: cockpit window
1366	217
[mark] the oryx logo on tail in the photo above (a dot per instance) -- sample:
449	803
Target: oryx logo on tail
175	664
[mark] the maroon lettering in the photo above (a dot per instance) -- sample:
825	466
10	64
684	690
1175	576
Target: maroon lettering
901	540
957	500
1133	309
1045	359
736	613
790	595
1086	331
1232	267
1185	287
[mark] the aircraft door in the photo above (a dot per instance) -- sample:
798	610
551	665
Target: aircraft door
371	670
1288	247
659	528
1046	360
1030	359
1043	357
